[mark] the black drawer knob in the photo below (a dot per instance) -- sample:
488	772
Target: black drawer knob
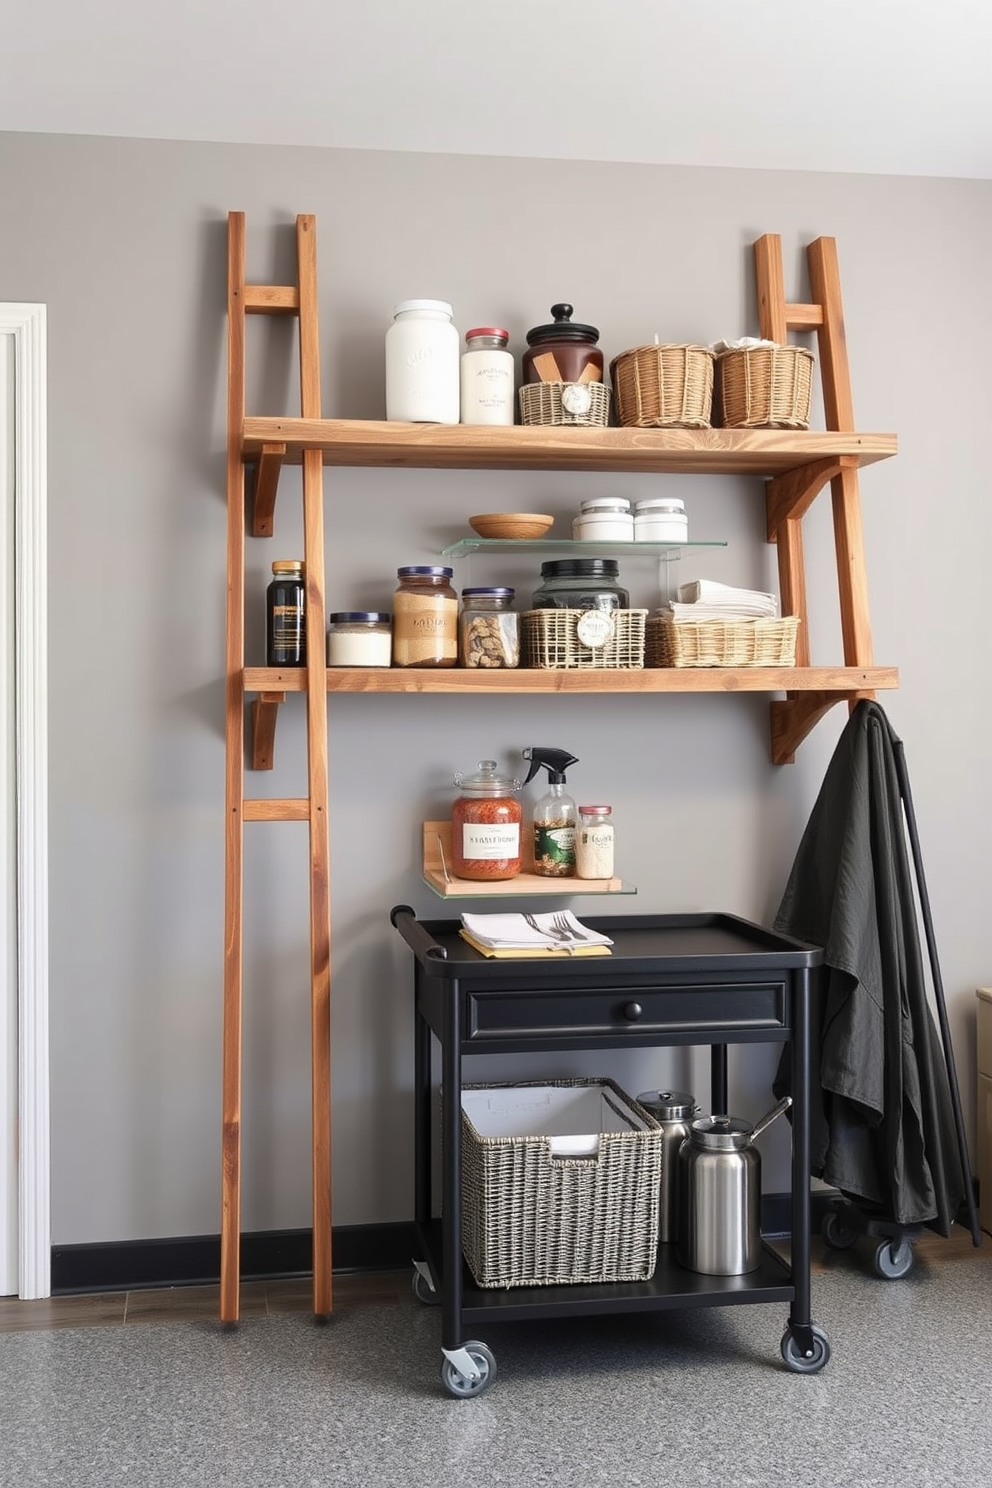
632	1010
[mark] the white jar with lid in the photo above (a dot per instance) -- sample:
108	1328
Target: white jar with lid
604	519
594	843
422	381
359	638
661	519
487	377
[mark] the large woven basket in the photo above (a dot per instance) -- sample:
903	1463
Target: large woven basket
764	387
664	386
717	643
530	1218
552	639
542	403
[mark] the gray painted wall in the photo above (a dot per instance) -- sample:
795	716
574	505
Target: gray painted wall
125	241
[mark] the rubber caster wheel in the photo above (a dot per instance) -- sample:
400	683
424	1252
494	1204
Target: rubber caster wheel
801	1363
894	1258
462	1386
836	1233
423	1291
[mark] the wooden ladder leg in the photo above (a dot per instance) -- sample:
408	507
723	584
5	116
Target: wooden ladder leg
320	935
230	1228
824	276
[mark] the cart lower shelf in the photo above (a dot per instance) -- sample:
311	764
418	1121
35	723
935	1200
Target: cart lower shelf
671	1286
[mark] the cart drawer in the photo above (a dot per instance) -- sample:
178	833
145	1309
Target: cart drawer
712	1009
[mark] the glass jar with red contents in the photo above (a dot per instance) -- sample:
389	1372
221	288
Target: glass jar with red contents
485	825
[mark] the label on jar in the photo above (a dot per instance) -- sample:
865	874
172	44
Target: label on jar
480	841
554	851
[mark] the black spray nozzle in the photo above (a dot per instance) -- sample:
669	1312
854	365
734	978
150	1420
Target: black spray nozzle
555	761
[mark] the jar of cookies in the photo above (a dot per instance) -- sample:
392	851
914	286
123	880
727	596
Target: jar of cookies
488	629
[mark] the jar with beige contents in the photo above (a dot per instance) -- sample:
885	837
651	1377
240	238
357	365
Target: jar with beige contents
425	617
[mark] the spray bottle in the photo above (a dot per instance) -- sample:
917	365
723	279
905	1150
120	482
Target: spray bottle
554	816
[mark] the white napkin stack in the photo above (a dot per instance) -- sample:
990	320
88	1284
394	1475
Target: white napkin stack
705	599
514	932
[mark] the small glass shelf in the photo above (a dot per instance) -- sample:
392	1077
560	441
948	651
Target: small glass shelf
437	854
466	545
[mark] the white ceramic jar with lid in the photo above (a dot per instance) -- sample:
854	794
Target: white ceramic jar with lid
422	368
604	519
359	638
487	377
661	519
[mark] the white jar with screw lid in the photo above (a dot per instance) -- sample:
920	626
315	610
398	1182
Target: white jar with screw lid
661	519
604	519
487	377
422	381
359	638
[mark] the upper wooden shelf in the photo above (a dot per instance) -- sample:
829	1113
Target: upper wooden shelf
270	681
756	452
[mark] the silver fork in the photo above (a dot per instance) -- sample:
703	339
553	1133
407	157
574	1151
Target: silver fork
557	932
566	929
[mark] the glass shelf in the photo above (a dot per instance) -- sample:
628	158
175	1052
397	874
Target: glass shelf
466	545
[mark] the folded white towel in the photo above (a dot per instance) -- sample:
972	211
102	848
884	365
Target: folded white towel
724	600
513	931
676	611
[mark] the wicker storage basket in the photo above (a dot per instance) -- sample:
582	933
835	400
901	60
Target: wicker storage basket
659	386
713	643
533	1218
552	639
542	403
764	387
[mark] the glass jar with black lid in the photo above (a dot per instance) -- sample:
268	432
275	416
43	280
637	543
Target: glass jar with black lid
580	584
564	351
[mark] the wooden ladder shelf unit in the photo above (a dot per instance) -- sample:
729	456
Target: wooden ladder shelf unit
300	300
795	465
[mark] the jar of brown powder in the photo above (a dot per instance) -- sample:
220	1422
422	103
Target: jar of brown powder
425	618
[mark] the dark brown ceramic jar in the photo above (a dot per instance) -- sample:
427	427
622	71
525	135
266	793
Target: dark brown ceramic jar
564	351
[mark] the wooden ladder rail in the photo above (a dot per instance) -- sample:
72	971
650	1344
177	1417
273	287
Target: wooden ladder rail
300	300
789	496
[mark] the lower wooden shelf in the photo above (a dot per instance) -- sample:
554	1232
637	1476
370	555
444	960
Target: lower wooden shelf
437	875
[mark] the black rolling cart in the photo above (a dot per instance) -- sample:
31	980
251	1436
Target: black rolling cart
699	979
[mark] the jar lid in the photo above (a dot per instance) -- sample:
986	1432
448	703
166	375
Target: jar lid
499	592
596	810
660	504
287	565
563	329
725	1133
584	568
487	781
605	503
668	1105
365	617
440	305
419	570
487	331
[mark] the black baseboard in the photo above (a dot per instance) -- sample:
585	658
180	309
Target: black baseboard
191	1260
194	1260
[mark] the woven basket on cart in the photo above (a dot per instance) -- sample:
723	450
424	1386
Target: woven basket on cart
764	387
563	403
664	386
713	643
530	1218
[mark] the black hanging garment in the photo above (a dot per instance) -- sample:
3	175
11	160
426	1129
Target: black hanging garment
882	1123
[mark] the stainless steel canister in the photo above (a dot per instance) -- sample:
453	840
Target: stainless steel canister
673	1110
720	1171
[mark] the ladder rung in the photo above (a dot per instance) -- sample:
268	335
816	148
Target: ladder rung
798	316
273	809
272	299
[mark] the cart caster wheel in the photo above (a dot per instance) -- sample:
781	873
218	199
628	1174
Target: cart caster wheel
837	1234
894	1258
805	1363
462	1386
423	1291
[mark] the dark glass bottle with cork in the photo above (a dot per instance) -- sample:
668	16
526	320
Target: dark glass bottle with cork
285	615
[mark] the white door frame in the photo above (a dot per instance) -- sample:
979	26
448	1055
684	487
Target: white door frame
23	464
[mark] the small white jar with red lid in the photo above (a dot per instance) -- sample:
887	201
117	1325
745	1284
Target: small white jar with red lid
487	377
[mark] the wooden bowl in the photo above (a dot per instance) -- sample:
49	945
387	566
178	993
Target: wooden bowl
511	524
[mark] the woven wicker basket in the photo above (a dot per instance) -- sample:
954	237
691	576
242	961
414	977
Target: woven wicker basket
764	387
552	640
541	403
716	643
664	386
533	1219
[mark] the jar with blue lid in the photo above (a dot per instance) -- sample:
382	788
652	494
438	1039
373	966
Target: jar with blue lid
359	638
488	629
425	617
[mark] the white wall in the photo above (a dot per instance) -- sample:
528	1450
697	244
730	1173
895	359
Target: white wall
125	241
